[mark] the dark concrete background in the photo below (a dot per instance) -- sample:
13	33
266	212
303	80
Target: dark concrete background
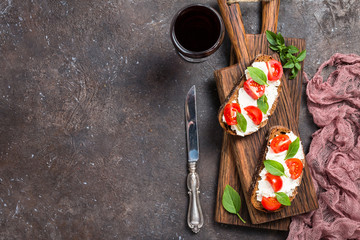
92	142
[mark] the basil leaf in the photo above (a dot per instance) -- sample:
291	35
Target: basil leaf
274	167
289	56
241	121
283	198
257	75
282	48
280	39
294	72
286	54
282	58
263	104
274	48
301	56
293	49
271	37
289	64
293	148
231	201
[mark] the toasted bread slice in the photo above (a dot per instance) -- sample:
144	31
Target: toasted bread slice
233	96
273	132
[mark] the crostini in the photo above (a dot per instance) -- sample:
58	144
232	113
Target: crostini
279	172
253	99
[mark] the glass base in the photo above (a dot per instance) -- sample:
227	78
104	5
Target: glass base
193	60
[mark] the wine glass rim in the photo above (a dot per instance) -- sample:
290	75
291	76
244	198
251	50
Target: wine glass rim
197	53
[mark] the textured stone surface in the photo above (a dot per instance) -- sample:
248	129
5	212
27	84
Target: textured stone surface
92	142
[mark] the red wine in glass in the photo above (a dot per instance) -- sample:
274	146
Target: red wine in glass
197	31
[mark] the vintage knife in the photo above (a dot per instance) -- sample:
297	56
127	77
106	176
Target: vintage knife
195	217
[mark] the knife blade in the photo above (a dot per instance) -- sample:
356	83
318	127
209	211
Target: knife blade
195	217
191	127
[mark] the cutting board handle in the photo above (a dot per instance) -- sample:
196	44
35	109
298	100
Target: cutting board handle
232	17
235	27
270	14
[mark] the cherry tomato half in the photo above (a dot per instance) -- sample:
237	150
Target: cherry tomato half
254	113
270	203
230	111
295	167
254	89
275	70
275	181
280	143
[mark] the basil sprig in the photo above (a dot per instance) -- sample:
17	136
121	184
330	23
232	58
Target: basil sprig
263	104
283	198
231	201
293	148
274	167
257	75
286	53
241	122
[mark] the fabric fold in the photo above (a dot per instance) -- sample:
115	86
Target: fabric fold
334	155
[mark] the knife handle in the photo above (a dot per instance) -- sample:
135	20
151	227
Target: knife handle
195	217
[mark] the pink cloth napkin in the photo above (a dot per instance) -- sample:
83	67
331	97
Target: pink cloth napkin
334	155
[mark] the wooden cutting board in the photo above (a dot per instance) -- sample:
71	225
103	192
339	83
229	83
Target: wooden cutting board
240	156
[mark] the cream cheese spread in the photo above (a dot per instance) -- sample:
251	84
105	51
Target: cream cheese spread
244	100
289	184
